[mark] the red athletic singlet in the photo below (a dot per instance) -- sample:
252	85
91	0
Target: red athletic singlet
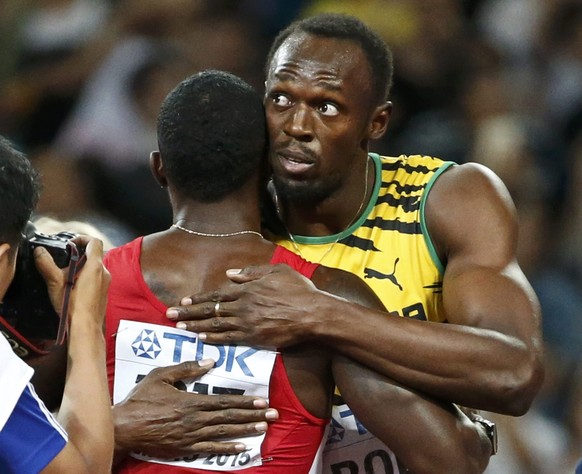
291	442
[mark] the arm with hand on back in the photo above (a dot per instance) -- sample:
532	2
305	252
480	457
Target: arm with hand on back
488	356
427	435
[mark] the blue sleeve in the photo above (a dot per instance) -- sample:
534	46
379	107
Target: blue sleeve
579	467
31	437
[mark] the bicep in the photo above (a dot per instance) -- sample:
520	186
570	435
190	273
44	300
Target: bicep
498	300
473	223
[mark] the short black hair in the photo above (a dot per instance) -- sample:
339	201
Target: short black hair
212	135
19	192
342	26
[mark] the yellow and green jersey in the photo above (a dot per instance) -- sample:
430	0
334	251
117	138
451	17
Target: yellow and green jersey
388	246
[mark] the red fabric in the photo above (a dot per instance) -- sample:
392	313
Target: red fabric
291	441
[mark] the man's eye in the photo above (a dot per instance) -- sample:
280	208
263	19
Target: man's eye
281	100
329	109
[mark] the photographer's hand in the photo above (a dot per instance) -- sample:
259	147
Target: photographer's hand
89	295
50	369
85	411
92	280
54	276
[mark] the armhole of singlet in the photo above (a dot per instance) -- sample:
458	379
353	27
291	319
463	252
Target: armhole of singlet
283	255
428	240
292	396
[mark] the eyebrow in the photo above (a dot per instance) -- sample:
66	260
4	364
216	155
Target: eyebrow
332	85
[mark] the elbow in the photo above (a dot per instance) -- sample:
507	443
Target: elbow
468	451
519	393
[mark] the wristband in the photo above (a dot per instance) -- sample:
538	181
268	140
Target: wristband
490	430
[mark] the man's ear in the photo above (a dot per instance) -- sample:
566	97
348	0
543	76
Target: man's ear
5	251
7	267
380	120
157	168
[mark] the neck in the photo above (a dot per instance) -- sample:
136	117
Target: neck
231	214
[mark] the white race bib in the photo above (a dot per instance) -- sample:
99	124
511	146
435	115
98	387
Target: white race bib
351	449
141	347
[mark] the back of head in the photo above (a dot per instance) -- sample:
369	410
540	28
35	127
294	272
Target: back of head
341	26
211	135
19	192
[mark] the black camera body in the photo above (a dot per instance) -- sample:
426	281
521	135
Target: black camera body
58	245
26	306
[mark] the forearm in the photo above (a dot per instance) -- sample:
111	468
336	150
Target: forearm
473	367
488	356
426	435
85	410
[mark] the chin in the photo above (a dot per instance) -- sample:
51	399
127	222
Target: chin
304	192
289	188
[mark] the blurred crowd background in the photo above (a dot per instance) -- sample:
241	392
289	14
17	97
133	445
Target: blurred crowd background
493	81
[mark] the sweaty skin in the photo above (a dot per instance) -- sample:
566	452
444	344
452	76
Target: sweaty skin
321	118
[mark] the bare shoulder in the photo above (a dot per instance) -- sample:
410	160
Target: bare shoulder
345	285
470	180
469	211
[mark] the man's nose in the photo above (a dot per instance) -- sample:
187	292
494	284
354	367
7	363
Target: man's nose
299	124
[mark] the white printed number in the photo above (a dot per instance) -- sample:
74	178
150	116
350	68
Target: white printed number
238	459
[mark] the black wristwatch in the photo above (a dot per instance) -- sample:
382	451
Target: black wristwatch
490	430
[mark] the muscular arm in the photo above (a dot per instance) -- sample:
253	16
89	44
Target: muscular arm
426	434
484	288
488	356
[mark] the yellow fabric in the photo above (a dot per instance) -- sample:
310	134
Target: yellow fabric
388	246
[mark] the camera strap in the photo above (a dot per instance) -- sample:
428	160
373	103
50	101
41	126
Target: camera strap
75	264
21	346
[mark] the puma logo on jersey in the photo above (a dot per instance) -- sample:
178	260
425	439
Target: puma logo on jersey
371	273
